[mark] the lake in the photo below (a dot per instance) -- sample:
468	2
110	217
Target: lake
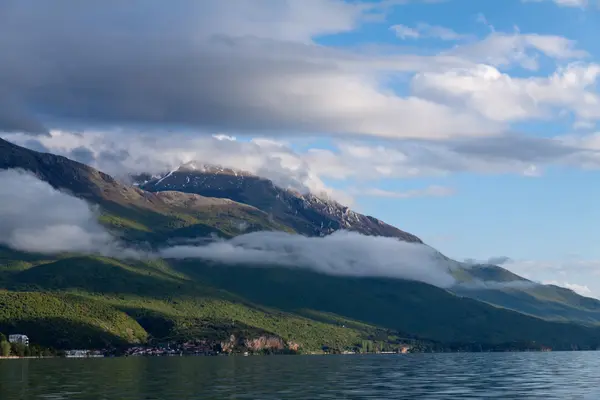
568	375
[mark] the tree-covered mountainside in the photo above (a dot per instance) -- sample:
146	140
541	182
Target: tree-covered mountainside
166	303
497	286
103	300
72	300
64	320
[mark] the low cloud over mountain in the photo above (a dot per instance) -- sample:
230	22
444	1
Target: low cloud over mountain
341	253
38	218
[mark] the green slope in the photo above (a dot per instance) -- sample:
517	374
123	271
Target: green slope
407	307
159	301
63	320
510	291
128	301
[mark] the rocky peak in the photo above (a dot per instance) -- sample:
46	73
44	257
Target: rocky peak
305	212
194	166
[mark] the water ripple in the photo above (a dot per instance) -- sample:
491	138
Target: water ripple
545	376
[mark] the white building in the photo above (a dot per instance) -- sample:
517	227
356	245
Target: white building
22	339
77	353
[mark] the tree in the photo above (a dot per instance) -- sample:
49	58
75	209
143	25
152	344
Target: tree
3	337
4	348
18	349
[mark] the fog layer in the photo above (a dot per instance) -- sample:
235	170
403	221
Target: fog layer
35	217
341	253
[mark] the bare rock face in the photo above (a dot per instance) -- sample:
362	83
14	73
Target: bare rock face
304	212
264	343
257	344
228	346
293	346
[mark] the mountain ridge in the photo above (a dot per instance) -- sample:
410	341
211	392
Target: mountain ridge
128	208
307	213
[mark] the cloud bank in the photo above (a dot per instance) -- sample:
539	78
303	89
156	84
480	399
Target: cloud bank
341	253
343	171
249	65
35	217
38	218
582	290
499	260
256	66
304	165
564	3
478	284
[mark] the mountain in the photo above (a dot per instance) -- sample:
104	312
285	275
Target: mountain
304	213
497	286
137	214
63	299
313	216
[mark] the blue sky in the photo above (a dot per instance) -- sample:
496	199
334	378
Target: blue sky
472	124
551	216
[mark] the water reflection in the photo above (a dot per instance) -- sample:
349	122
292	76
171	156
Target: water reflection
426	376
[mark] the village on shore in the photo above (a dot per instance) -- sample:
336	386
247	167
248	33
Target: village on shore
18	346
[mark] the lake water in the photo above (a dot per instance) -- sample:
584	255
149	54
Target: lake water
424	376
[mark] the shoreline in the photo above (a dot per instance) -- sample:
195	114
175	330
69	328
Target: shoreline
276	355
27	357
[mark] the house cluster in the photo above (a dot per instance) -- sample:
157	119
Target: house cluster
203	347
83	353
151	351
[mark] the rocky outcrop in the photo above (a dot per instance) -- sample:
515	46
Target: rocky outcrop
264	343
293	346
228	346
270	343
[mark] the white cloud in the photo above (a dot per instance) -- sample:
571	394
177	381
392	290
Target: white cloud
37	218
498	260
221	136
579	289
341	253
405	32
575	273
500	97
430	191
246	65
564	3
503	154
122	155
250	66
587	141
423	30
306	166
503	49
